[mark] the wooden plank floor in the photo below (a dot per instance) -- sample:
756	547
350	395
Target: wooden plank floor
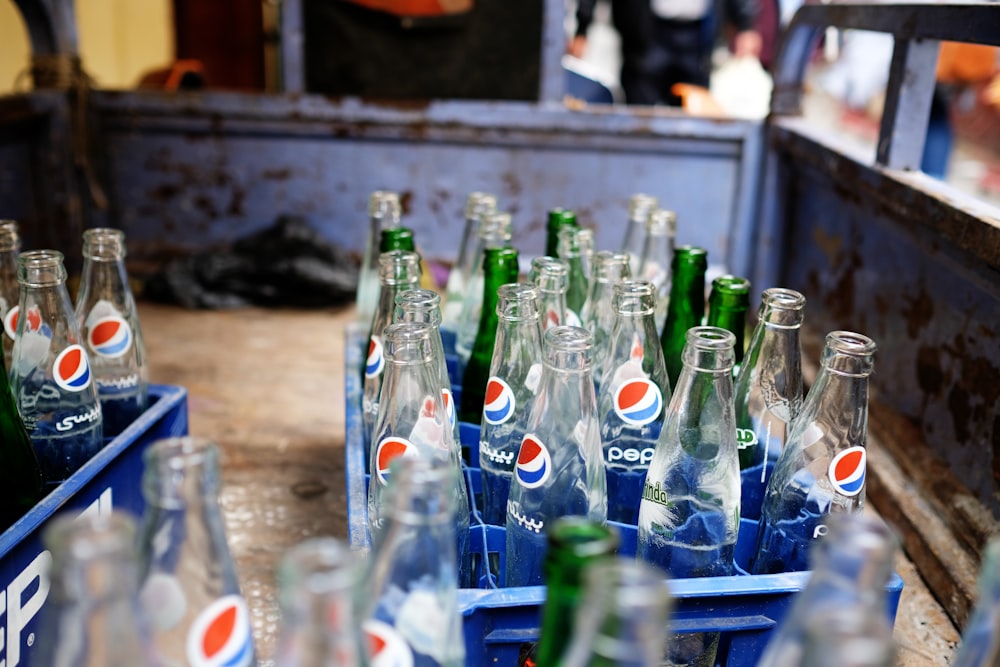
268	387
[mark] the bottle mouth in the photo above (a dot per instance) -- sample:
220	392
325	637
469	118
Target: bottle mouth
91	537
710	349
384	205
634	297
478	204
848	353
662	222
408	342
518	301
9	238
568	348
584	537
397	267
418	299
319	567
640	206
733	285
782	308
104	243
180	471
41	268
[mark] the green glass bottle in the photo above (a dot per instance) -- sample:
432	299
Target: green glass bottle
499	268
687	305
20	474
727	308
558	218
574	542
397	238
571	250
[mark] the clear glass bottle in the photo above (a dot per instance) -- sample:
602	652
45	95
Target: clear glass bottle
639	207
424	306
477	204
411	614
10	246
92	616
494	232
657	257
189	588
623	616
575	544
412	423
768	391
851	636
559	470
109	322
318	591
515	371
551	278
690	508
598	314
499	268
686	307
980	644
822	469
399	270
634	391
383	213
51	374
851	567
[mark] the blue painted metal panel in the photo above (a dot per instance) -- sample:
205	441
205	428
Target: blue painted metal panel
222	166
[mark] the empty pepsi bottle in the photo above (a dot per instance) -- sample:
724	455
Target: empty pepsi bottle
515	371
189	588
318	587
424	306
634	391
822	468
51	374
399	270
411	613
598	314
10	246
851	568
92	616
383	212
109	322
559	470
657	257
768	392
412	423
477	204
549	275
639	207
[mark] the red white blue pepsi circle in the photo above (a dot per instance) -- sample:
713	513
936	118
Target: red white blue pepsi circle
449	405
71	369
33	323
110	337
500	403
847	471
534	464
638	401
221	636
386	647
390	449
375	362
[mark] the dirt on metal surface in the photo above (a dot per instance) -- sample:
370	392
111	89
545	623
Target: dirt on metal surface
268	387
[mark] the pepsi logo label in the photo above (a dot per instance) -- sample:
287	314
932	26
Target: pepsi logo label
375	363
71	369
500	403
552	319
638	401
33	323
386	647
110	337
388	450
534	464
847	471
449	406
221	635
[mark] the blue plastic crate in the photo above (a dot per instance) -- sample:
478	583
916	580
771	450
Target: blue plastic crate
109	480
498	622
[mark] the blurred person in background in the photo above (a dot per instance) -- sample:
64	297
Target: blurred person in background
668	42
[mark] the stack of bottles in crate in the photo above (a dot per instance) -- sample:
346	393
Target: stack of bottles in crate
77	375
591	404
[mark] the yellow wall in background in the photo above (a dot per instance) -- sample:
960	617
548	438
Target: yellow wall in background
119	40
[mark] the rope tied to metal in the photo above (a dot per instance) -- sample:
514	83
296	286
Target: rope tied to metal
64	71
